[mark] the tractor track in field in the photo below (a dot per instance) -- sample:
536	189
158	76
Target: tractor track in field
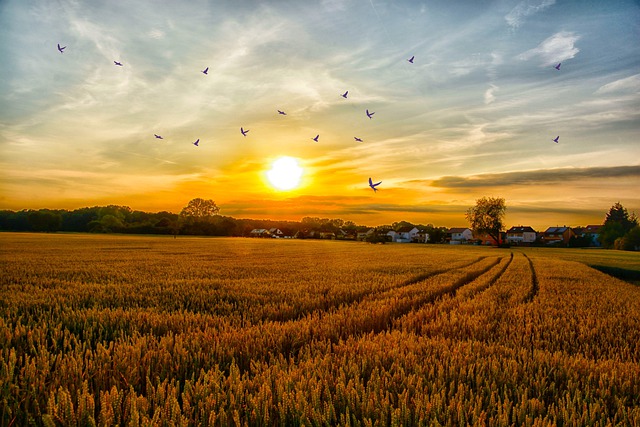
450	290
535	287
368	315
369	295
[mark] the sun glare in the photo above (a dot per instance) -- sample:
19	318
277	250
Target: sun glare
285	173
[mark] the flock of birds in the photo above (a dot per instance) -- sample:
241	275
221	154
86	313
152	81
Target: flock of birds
344	95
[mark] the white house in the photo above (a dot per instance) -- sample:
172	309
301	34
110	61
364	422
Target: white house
276	232
459	235
420	237
403	235
521	235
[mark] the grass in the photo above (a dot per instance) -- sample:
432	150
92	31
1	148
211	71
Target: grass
142	330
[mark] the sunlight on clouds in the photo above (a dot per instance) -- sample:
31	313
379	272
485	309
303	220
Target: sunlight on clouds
557	48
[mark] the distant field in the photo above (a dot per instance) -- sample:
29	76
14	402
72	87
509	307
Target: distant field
128	330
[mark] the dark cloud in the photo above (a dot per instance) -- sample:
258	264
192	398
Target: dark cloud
536	177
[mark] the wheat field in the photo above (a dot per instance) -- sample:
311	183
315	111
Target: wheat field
149	331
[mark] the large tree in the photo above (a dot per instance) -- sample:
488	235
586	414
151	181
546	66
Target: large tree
200	209
617	223
487	216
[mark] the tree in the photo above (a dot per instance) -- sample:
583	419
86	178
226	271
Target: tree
619	214
200	209
44	220
617	223
198	217
487	216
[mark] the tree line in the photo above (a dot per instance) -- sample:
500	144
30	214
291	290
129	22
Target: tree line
202	217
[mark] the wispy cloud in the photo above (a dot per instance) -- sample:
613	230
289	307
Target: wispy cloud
629	84
537	177
489	96
524	9
557	48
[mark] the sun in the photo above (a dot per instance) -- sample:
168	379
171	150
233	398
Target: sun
285	173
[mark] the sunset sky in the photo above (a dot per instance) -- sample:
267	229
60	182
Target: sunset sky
474	115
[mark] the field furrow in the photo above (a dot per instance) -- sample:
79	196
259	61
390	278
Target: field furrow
534	282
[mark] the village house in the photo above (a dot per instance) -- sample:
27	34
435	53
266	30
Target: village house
364	235
521	235
590	231
458	235
259	232
276	232
403	234
487	240
557	235
420	237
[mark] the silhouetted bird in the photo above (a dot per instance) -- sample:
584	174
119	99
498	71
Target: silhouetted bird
157	136
373	186
557	67
244	132
61	48
205	71
197	141
411	59
357	139
316	138
117	63
344	95
369	114
556	140
282	112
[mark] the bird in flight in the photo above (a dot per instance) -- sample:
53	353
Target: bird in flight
117	63
316	138
157	136
244	132
205	71
344	95
411	59
61	48
282	112
370	114
556	140
357	139
197	141
373	186
557	67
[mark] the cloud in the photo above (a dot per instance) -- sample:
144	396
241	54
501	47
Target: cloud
489	97
524	9
557	48
537	177
629	84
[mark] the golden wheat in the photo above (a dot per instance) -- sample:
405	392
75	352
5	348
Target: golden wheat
106	330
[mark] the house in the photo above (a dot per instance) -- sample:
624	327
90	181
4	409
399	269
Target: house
592	231
487	240
557	235
521	235
459	235
364	235
260	232
327	235
420	237
345	235
403	234
276	232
